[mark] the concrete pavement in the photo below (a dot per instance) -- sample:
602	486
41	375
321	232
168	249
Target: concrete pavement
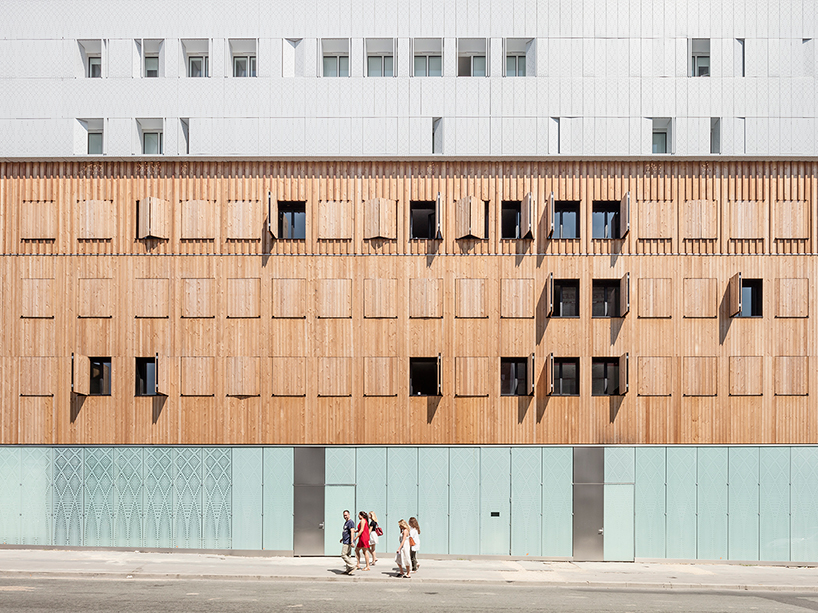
166	566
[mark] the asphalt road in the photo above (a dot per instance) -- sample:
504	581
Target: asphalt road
89	595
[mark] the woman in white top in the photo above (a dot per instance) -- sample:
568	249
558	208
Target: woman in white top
414	534
403	557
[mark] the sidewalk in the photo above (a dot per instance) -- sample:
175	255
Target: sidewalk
15	563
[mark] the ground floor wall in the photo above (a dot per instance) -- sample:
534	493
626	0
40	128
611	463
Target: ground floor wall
676	502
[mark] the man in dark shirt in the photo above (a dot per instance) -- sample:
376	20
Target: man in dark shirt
347	540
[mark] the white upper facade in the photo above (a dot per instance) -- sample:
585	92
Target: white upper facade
408	78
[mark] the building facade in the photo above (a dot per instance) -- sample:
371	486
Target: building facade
536	273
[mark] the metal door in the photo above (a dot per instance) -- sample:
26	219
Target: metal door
589	488
308	501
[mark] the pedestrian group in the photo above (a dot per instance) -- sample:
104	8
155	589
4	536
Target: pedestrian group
365	535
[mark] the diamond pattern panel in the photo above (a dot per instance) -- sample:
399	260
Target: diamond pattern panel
187	498
217	498
774	509
278	498
558	501
649	503
433	498
158	493
247	467
464	501
401	490
526	501
370	492
37	491
743	503
619	464
804	519
681	502
495	492
340	465
99	497
68	477
712	503
10	495
127	497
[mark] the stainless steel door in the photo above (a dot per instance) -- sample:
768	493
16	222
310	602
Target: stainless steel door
308	501
589	489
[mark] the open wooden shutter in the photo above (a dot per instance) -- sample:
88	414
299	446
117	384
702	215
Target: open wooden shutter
549	287
439	375
532	376
80	374
623	374
462	221
439	217
161	375
143	218
549	373
734	295
625	295
527	216
625	215
272	215
549	216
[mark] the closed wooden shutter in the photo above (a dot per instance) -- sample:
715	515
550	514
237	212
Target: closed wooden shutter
96	220
198	220
747	219
656	219
152	218
700	298
242	376
746	375
470	218
197	376
517	298
655	298
793	298
38	376
335	220
290	298
791	375
38	298
380	219
95	298
426	298
198	298
244	298
792	220
655	376
380	298
699	219
80	374
700	375
471	376
380	376
152	298
333	298
289	376
334	376
471	298
38	220
244	219
734	295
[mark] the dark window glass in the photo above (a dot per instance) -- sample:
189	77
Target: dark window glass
605	299
145	376
513	377
604	377
566	376
566	298
566	220
751	298
605	219
100	377
423	376
292	220
422	220
511	219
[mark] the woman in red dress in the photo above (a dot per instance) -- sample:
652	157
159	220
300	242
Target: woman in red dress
363	540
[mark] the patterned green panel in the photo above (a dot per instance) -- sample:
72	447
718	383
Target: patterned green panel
401	491
620	464
217	498
558	501
128	497
495	492
649	501
370	489
774	511
743	503
433	499
277	533
37	492
618	522
340	465
247	496
187	498
464	501
337	498
526	501
804	520
158	469
68	511
99	497
681	502
10	495
712	503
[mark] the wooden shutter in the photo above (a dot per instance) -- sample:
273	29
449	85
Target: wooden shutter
95	220
198	298
95	298
38	220
550	214
656	219
700	298
439	375
471	298
471	376
532	375
80	374
243	298
550	376
333	298
549	288
37	376
528	214
699	219
197	376
792	220
290	298
625	215
380	376
734	295
700	376
198	220
153	218
162	375
655	376
272	215
747	219
152	298
517	298
470	218
746	375
623	374
289	376
380	298
38	298
334	377
244	219
655	298
426	298
335	220
439	217
625	295
793	298
380	219
242	376
791	375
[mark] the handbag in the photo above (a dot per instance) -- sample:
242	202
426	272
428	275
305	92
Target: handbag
378	531
411	542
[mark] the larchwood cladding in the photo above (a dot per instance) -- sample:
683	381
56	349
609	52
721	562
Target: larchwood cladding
271	341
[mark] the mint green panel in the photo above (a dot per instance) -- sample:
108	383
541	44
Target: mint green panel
464	501
712	503
10	495
618	522
557	501
277	497
526	501
743	503
158	495
37	494
495	508
217	498
649	502
804	526
339	466
128	496
620	464
68	498
187	497
370	490
99	497
337	499
401	492
433	499
774	509
247	467
681	503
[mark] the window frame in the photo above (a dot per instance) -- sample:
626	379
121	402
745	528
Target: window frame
520	383
612	285
659	132
161	148
291	207
415	206
607	363
148	384
205	59
250	66
337	57
434	364
505	206
382	57
99	133
755	288
612	225
559	205
471	58
94	60
517	57
145	66
558	378
426	58
559	286
101	379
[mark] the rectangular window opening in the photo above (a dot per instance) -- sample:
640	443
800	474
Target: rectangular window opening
100	377
605	377
145	377
94	67
566	298
715	135
513	376
566	377
292	220
423	377
605	218
511	219
244	66
152	66
700	57
152	143
751	298
422	222
566	219
197	66
605	298
95	143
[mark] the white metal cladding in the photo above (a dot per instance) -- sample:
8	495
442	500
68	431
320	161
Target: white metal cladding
604	69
